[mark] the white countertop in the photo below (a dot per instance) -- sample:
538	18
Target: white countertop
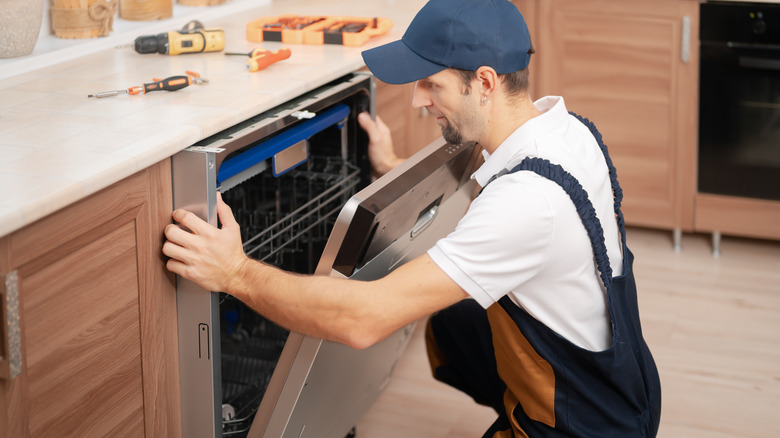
59	146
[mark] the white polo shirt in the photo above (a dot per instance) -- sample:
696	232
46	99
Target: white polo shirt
523	237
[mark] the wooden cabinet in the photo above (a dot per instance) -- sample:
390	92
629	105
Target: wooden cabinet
411	128
748	217
631	67
529	10
96	318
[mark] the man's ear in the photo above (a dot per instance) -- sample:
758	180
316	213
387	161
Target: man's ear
487	80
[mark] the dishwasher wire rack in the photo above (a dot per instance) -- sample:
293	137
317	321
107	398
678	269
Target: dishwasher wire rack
278	214
285	221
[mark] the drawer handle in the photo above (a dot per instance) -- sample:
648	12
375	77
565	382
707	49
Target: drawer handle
10	336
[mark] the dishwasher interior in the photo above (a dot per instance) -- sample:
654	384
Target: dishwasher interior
299	183
285	221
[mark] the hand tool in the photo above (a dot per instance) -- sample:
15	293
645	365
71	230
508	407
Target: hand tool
171	83
193	38
264	58
256	52
347	26
293	22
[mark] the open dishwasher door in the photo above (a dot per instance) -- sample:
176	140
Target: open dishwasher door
398	217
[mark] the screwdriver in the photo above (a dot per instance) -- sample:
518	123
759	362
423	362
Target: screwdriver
172	83
264	58
256	52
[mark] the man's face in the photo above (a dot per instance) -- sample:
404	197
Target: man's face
445	97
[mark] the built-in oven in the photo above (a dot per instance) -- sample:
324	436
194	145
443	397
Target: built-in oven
299	183
739	115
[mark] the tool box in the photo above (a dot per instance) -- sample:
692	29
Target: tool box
317	29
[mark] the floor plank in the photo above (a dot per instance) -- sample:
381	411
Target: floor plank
713	324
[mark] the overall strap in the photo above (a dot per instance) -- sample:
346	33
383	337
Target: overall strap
617	192
585	210
579	197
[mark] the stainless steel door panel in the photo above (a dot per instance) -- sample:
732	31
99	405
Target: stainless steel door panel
341	383
194	189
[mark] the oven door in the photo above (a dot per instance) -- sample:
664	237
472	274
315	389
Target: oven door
739	116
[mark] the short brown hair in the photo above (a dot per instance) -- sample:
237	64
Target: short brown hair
516	82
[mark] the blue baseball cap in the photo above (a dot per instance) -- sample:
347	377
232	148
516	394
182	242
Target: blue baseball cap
464	34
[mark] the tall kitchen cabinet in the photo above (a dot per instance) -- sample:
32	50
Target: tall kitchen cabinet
631	67
89	318
410	128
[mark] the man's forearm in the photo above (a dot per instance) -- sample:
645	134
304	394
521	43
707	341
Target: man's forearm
324	307
356	313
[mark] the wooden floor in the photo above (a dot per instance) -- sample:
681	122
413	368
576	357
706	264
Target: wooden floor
713	325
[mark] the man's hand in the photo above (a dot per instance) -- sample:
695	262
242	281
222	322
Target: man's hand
380	146
211	257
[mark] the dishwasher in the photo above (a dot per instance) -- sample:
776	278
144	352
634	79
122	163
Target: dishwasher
298	180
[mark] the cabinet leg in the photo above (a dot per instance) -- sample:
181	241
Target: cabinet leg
677	239
716	243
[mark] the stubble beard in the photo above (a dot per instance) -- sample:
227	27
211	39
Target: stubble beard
451	134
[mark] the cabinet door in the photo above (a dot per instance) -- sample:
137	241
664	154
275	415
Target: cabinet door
631	67
97	318
411	128
529	9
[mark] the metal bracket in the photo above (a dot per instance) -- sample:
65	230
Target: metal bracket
205	149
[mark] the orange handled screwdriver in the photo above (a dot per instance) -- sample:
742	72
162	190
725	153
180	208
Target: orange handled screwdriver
264	58
256	52
172	83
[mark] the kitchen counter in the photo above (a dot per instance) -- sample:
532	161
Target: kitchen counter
61	146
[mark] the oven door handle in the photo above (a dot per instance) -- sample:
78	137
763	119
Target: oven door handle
765	61
752	46
760	63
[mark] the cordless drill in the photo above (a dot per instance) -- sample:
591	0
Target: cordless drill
193	38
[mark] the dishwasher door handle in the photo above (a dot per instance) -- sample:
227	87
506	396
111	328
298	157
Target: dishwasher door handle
425	218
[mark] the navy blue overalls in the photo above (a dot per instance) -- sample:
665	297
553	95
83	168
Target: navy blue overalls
541	384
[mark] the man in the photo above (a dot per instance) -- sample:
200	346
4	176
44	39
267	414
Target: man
527	317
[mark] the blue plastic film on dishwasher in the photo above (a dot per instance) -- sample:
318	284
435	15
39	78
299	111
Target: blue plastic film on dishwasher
270	147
